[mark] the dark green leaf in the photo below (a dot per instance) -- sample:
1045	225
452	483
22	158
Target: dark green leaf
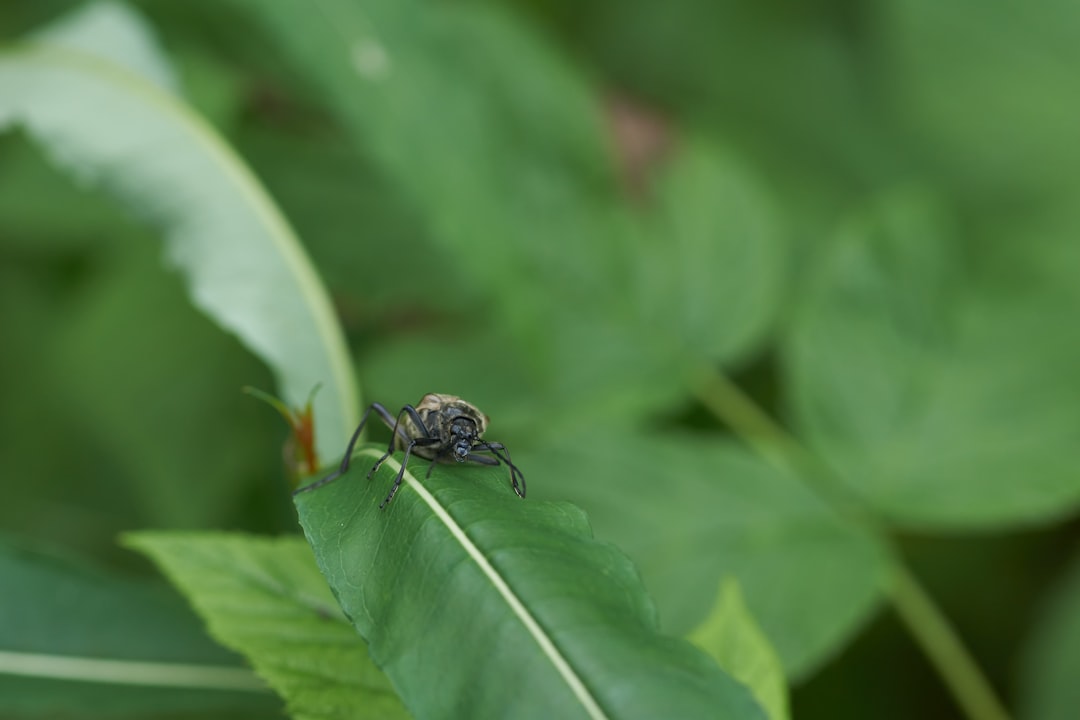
479	604
265	598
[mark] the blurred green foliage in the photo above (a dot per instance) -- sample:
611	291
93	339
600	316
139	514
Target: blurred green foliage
865	212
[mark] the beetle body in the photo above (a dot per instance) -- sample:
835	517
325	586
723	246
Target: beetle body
461	424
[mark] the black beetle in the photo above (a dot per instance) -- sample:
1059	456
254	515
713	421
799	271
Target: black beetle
440	428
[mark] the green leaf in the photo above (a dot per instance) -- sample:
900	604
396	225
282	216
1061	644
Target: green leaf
945	395
782	82
1049	690
713	265
515	174
479	604
732	637
514	183
112	128
986	87
265	598
78	642
692	511
517	187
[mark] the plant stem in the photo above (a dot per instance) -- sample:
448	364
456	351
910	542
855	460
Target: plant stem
943	646
776	445
923	618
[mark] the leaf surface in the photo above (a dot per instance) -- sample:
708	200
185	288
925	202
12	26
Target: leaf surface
265	598
479	604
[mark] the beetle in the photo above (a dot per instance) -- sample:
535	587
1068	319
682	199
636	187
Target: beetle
440	428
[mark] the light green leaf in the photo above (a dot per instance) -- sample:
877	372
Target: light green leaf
245	268
81	643
946	396
479	604
691	511
713	265
1049	690
265	598
731	636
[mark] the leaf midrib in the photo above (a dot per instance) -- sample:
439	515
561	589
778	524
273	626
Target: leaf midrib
547	645
130	672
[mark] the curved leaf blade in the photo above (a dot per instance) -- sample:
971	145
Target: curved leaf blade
478	604
264	597
244	266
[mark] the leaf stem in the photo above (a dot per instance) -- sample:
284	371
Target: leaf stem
943	646
924	620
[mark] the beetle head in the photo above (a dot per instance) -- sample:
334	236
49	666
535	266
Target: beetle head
463	436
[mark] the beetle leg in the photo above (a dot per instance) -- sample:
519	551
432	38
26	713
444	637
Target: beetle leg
404	463
482	459
398	432
515	474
